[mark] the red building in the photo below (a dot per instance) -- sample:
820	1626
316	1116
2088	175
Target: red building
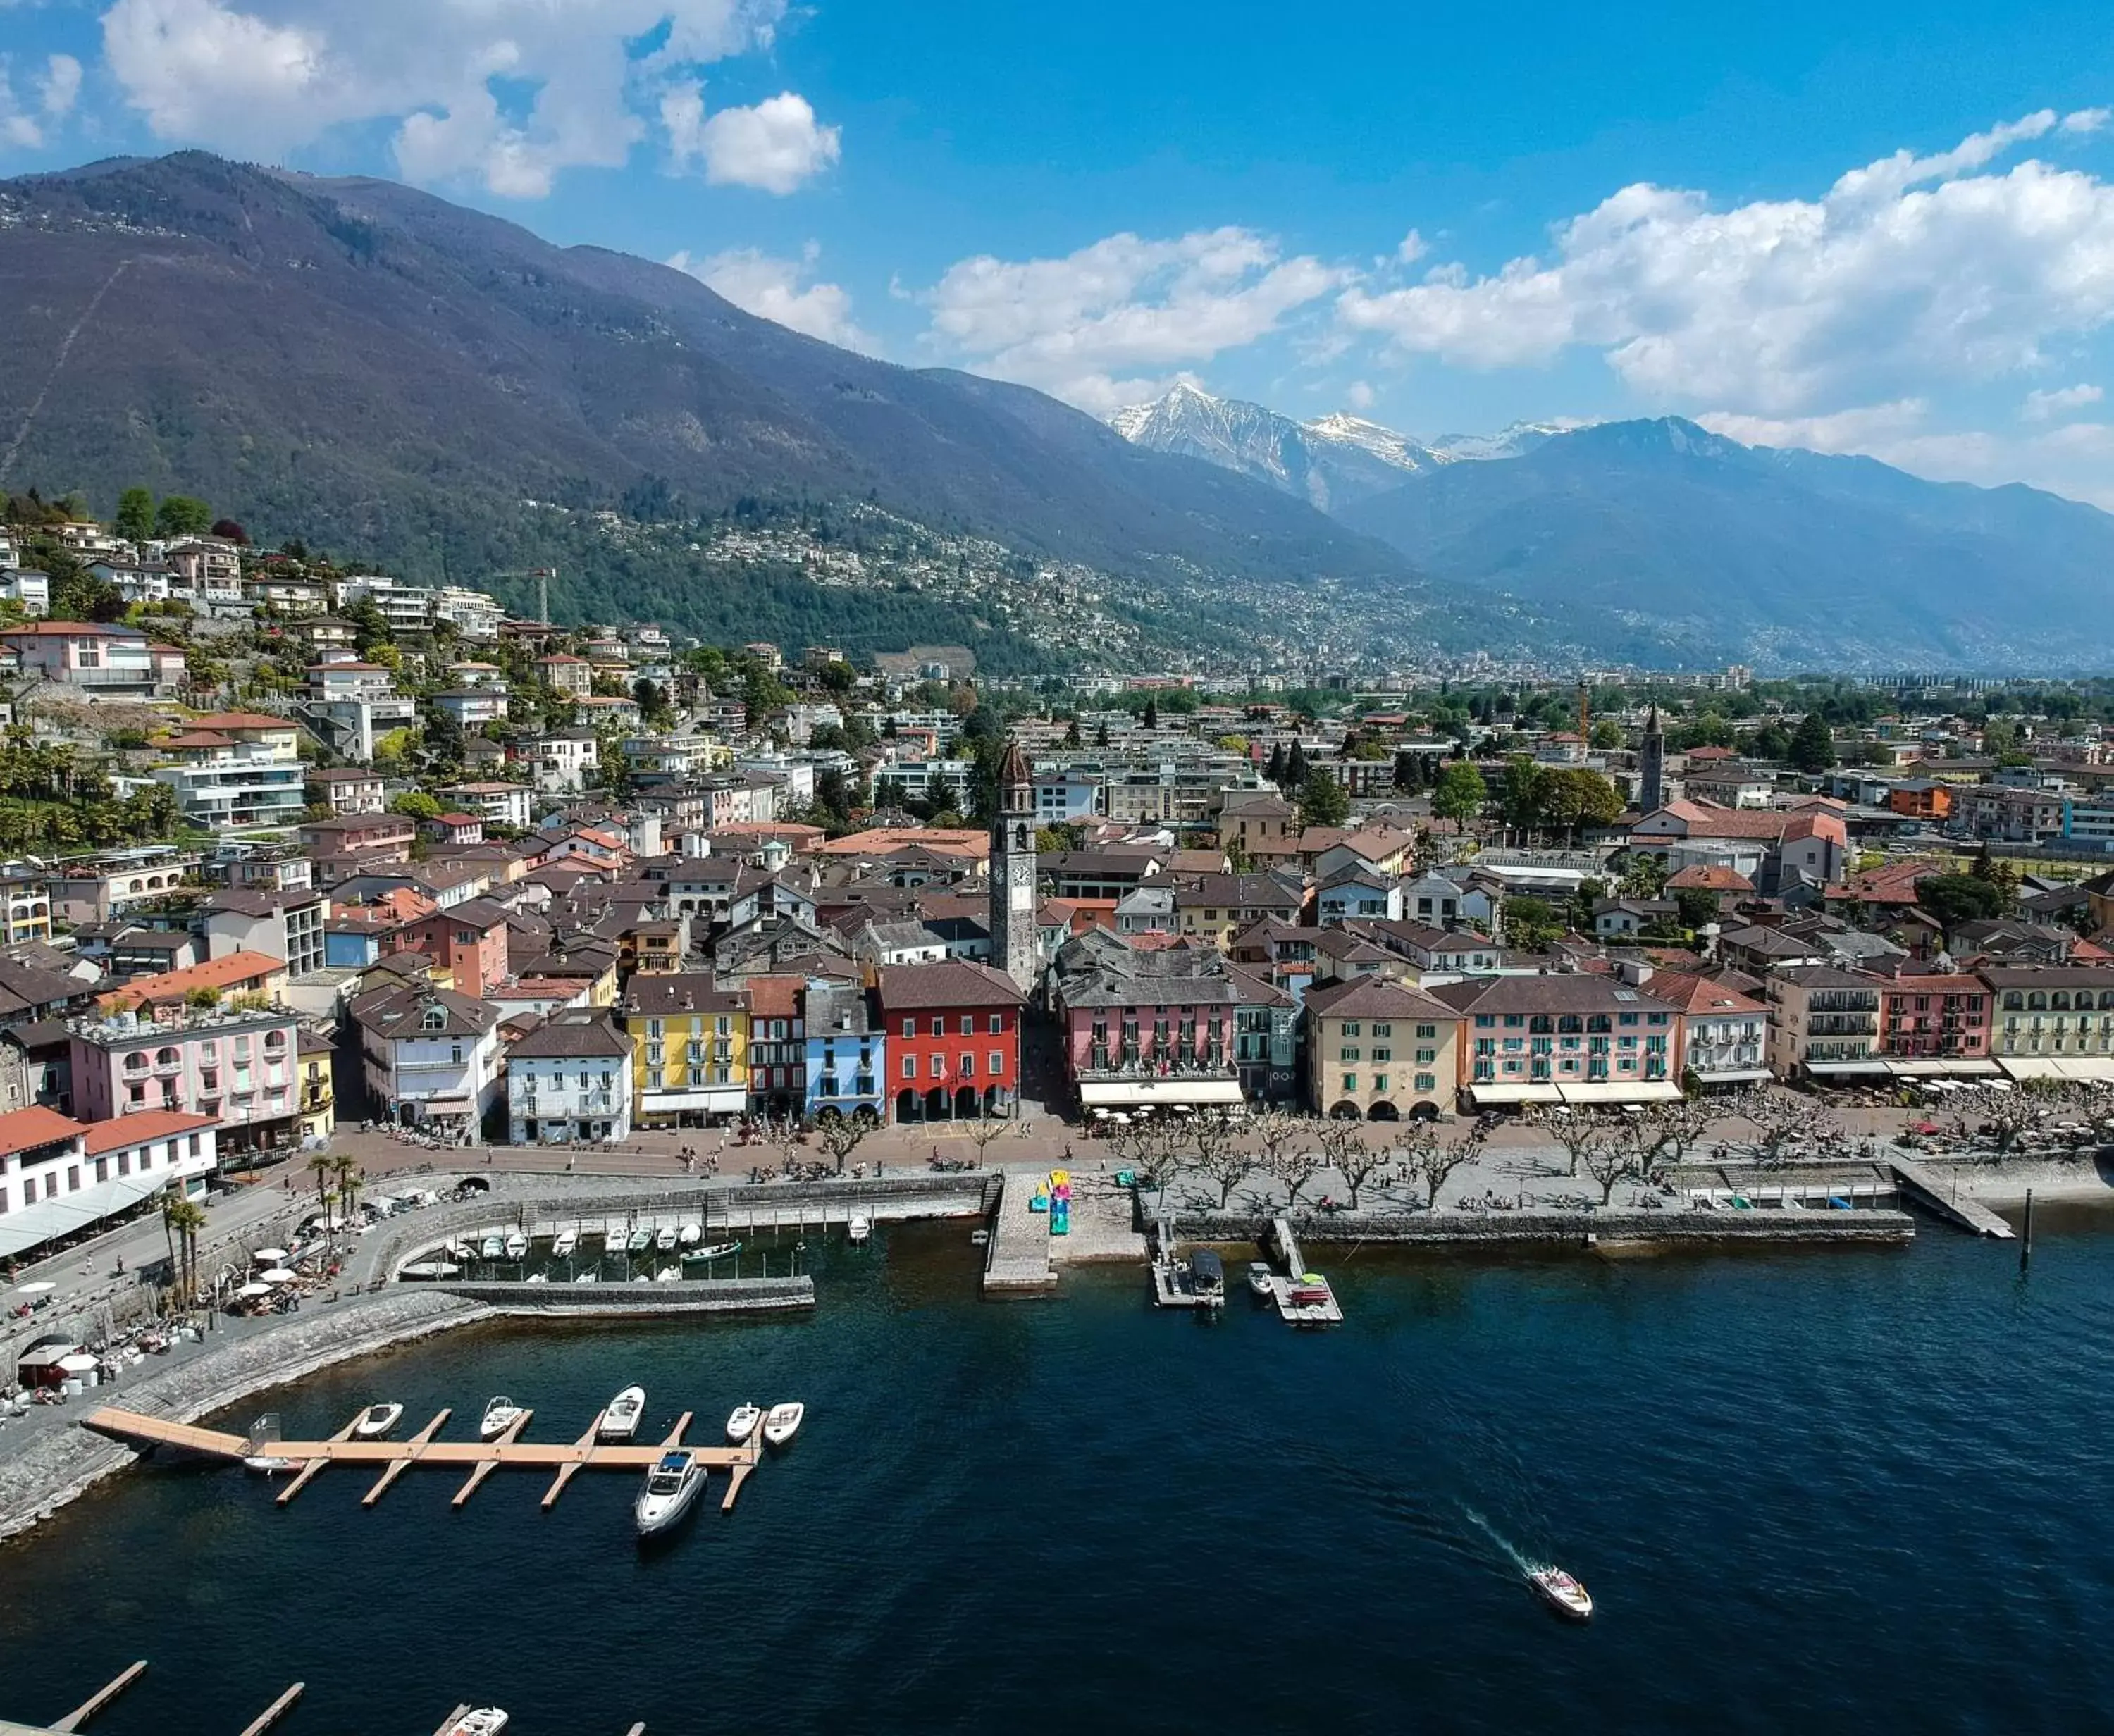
1937	1020
469	940
953	1040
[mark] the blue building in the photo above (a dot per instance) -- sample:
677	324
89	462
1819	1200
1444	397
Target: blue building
846	1063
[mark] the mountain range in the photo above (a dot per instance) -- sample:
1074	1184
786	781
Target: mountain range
382	372
1657	540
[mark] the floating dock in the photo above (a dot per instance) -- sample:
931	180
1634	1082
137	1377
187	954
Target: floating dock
1300	1303
308	1459
1173	1285
1968	1214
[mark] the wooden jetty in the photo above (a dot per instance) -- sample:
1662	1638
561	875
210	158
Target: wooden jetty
1926	1187
100	1700
1296	1302
308	1459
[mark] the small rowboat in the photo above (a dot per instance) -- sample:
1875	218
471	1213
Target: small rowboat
717	1251
1561	1593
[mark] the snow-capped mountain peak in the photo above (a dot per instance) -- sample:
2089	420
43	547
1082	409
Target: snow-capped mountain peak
1403	451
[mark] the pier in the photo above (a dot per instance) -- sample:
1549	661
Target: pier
1924	1185
307	1459
1018	1263
1300	1303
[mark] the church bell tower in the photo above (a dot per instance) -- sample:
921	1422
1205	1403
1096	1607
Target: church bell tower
1015	938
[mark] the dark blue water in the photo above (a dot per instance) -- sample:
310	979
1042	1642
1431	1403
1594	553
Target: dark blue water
1822	1492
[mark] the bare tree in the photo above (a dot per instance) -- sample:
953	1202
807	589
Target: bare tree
2009	1119
1437	1160
1351	1155
1576	1130
783	1136
1214	1153
1784	1126
1285	1146
1616	1154
841	1135
1675	1128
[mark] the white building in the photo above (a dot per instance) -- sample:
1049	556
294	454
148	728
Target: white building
59	1176
496	804
224	783
560	761
428	1054
28	587
569	1079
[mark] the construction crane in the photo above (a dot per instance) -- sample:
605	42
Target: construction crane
542	575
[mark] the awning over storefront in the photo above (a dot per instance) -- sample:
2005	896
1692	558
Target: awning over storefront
1484	1093
1845	1069
1954	1066
453	1104
1744	1075
1158	1094
1610	1091
720	1100
2085	1070
28	1225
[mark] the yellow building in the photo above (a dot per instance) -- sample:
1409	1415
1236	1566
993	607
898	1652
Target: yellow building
1380	1051
319	1109
691	1065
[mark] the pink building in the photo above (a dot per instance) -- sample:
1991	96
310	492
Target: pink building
241	1068
1935	1018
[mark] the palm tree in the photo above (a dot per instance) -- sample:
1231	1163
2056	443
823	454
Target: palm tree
349	1181
184	1217
169	1199
319	1166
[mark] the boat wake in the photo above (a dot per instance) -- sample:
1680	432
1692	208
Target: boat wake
1511	1551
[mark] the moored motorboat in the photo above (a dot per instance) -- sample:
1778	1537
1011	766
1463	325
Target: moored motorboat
716	1251
517	1245
589	1277
672	1488
456	1249
669	1275
664	1239
619	1417
741	1424
563	1243
376	1421
267	1463
1259	1277
690	1234
539	1278
781	1423
641	1240
493	1246
1561	1593
500	1415
485	1720
860	1228
430	1269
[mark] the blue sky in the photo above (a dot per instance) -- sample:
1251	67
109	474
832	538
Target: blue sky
1880	229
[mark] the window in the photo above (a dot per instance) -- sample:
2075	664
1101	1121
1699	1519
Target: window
1382	1028
1352	1052
909	1066
997	1024
1425	1082
1427	1033
1379	1081
1351	1028
910	1027
969	1066
1350	1081
653	1029
969	1025
939	1068
1380	1053
997	1064
1425	1056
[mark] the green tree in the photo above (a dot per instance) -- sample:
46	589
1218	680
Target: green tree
1697	906
1322	801
182	515
1950	899
1461	793
1524	786
416	804
1531	924
1813	744
1071	732
1607	733
1152	713
1572	796
136	515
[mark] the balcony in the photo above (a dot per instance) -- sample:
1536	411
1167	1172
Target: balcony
1843	1024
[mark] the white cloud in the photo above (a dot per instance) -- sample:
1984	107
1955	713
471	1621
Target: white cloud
1083	326
2046	406
1359	395
26	125
776	145
1909	271
1856	430
506	92
1412	247
2087	120
775	289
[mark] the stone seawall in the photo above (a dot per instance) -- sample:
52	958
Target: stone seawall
50	1472
637	1301
1575	1229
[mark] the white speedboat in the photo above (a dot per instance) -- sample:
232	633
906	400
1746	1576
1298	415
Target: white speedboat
517	1245
500	1415
782	1422
619	1417
717	1251
493	1246
1561	1593
640	1241
267	1463
1259	1277
669	1275
672	1488
486	1720
741	1424
690	1234
539	1278
664	1239
456	1249
563	1243
376	1421
589	1277
430	1269
860	1228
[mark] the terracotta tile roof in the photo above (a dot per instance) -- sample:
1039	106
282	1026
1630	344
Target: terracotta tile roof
136	1129
22	1128
173	985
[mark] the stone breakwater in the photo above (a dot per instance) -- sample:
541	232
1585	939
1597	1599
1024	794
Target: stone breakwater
620	1301
60	1467
1574	1229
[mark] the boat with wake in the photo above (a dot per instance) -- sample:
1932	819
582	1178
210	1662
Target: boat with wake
1561	1593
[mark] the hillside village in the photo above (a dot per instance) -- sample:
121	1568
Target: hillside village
290	843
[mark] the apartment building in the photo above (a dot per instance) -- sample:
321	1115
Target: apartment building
571	1078
1379	1051
1565	1037
690	1044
